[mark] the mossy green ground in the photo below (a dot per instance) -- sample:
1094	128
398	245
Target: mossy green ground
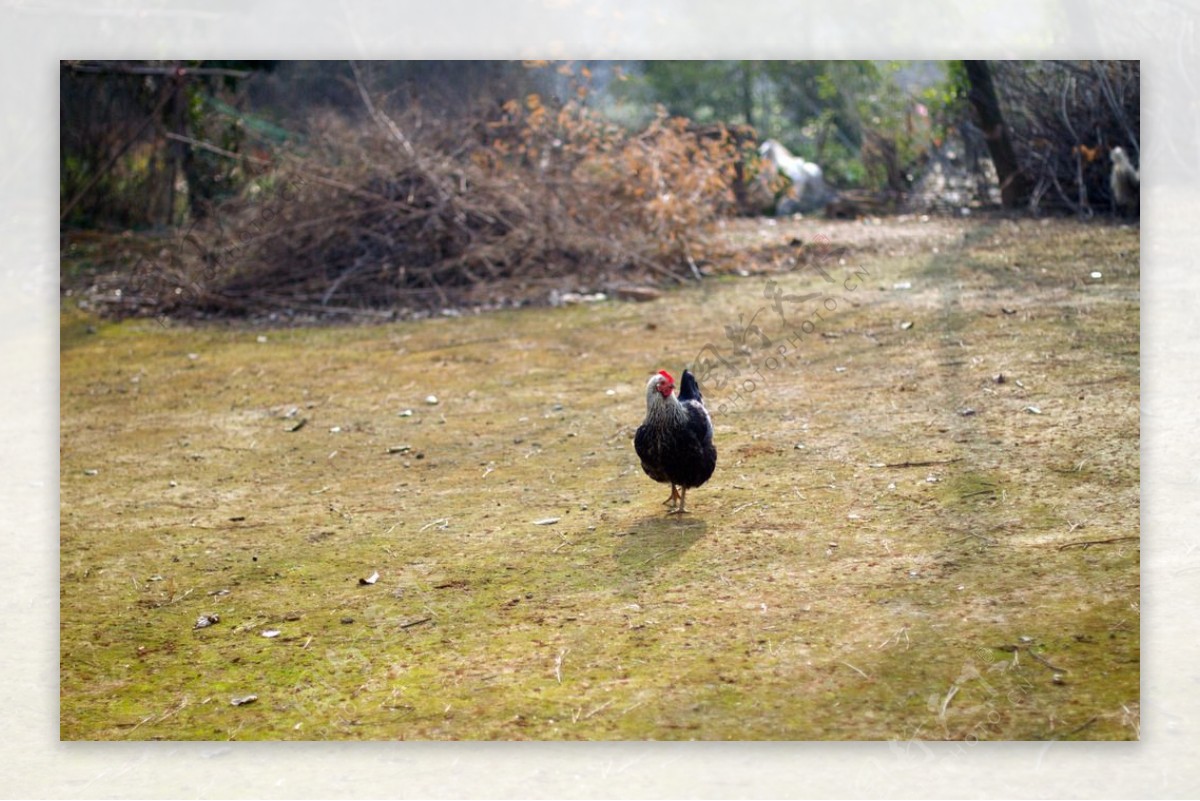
878	556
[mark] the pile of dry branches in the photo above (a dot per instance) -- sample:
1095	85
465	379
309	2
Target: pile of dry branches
398	215
1064	118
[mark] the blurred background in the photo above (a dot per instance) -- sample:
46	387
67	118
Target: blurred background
330	188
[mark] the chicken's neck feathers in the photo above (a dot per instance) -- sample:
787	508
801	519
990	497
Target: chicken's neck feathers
664	410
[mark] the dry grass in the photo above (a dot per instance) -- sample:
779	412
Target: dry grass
829	583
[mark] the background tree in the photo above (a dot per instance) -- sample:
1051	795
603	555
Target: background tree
1014	184
125	129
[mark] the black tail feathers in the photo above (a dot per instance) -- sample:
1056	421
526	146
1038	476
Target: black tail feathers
688	388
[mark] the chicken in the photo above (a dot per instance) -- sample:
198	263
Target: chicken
1124	180
675	442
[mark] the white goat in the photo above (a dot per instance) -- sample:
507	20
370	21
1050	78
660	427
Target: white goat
807	178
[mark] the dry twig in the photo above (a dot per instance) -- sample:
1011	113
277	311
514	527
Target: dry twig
1085	544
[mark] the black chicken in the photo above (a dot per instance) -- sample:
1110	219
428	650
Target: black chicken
675	442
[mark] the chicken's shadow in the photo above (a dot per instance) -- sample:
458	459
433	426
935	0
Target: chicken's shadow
657	540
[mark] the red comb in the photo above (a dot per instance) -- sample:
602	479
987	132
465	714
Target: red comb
666	375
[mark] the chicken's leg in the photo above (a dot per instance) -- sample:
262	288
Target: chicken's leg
679	510
674	499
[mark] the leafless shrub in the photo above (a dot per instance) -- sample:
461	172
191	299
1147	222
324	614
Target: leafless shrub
1064	118
406	213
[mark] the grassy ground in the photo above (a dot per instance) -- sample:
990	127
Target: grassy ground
894	545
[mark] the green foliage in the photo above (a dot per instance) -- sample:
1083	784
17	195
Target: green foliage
957	84
703	91
857	119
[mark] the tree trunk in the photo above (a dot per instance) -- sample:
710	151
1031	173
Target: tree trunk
175	120
1014	184
747	87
